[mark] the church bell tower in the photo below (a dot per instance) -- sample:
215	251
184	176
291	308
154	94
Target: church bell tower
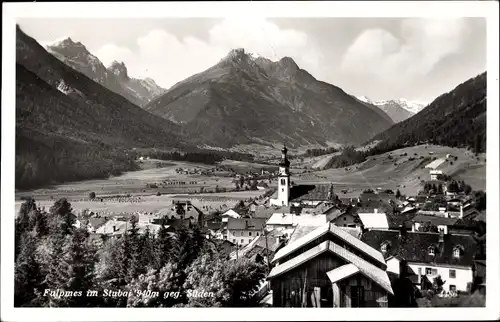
284	179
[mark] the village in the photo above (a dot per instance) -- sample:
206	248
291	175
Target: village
325	247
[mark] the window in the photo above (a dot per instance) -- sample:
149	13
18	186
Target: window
242	233
283	182
456	252
242	240
250	233
453	273
283	190
428	271
345	218
453	288
434	271
257	233
234	241
383	247
432	251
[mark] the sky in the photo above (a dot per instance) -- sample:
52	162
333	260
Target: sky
380	58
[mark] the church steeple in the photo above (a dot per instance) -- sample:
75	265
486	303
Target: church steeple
283	180
284	159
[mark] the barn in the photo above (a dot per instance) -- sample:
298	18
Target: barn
328	267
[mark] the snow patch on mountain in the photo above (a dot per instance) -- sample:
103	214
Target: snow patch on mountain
413	106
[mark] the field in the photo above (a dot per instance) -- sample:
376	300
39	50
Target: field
137	184
393	170
402	169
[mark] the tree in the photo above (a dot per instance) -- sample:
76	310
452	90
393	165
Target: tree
467	189
232	283
162	281
62	218
92	195
28	275
71	268
398	194
437	284
134	250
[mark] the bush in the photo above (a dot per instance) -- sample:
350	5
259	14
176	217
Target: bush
158	193
92	195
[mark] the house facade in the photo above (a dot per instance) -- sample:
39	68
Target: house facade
328	267
428	255
241	231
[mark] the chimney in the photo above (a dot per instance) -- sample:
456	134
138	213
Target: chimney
114	228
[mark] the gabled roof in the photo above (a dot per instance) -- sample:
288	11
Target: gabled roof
330	228
397	220
372	272
414	246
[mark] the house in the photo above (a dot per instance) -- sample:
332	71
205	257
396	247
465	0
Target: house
264	245
328	267
347	217
432	223
113	228
94	223
435	174
428	254
231	213
242	231
286	221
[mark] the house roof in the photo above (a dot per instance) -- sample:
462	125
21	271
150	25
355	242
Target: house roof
232	213
374	220
414	246
97	222
258	245
246	223
107	228
262	211
435	220
342	272
333	229
395	220
318	192
292	219
372	272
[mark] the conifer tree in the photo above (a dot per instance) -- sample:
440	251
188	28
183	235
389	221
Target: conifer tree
28	275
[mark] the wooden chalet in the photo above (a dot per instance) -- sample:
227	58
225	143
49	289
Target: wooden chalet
328	267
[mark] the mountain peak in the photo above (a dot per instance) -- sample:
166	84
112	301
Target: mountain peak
66	43
119	69
288	63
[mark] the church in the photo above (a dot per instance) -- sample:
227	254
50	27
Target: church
298	195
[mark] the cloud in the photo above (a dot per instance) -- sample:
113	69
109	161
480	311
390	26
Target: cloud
421	45
169	59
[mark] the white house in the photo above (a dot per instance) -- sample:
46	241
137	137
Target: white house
242	231
428	255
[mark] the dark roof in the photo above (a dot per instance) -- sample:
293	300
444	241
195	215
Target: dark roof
214	225
97	222
369	205
414	246
318	192
465	223
246	223
395	220
262	211
435	220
